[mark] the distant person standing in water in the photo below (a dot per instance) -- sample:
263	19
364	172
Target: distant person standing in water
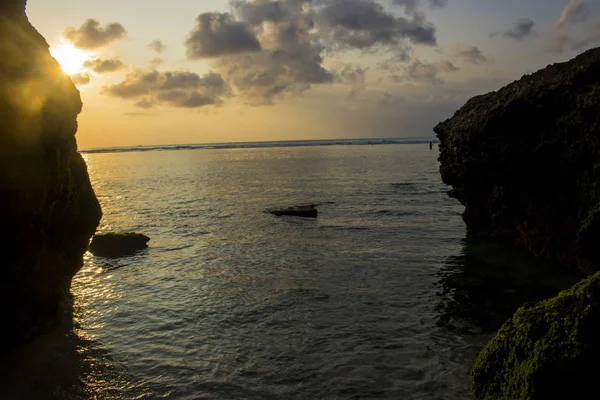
430	145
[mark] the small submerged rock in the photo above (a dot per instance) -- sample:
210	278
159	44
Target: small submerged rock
117	244
306	211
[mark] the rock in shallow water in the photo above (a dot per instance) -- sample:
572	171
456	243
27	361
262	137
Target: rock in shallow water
307	211
525	162
48	210
546	351
114	244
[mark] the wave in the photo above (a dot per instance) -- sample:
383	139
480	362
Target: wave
250	145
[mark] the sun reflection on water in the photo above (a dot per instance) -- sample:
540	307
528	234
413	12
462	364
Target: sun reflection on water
228	297
95	292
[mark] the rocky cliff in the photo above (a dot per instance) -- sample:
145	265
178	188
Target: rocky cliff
48	210
525	162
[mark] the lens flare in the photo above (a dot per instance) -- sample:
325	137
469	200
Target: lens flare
70	58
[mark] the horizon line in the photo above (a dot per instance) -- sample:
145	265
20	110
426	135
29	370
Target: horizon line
258	143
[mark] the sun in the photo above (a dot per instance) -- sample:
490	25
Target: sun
70	58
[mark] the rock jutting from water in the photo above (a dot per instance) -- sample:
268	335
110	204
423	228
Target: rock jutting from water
48	209
525	162
306	211
118	244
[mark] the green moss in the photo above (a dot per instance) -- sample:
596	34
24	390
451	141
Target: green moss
587	219
544	351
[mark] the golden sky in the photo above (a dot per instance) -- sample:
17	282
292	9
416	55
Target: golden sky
153	72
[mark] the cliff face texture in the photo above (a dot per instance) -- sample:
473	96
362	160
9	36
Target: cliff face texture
48	210
525	162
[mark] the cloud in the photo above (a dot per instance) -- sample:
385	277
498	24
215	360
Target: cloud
413	5
472	54
155	62
363	24
138	114
591	38
424	72
521	29
559	41
91	35
576	11
184	99
259	11
81	79
260	78
395	63
145	103
104	65
269	49
157	46
415	109
217	34
353	76
410	6
290	60
180	89
386	98
438	3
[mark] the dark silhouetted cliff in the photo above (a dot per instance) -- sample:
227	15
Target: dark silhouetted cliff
525	162
48	210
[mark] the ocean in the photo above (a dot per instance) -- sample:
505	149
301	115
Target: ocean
383	296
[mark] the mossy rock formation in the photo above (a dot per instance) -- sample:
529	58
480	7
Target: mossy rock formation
48	210
546	351
525	162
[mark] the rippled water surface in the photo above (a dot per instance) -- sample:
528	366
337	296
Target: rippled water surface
373	299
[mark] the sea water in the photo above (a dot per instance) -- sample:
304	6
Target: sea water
383	296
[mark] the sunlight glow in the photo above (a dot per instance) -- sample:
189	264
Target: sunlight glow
70	58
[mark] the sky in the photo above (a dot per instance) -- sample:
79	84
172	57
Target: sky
156	72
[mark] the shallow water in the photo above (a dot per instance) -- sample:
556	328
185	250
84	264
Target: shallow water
381	297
